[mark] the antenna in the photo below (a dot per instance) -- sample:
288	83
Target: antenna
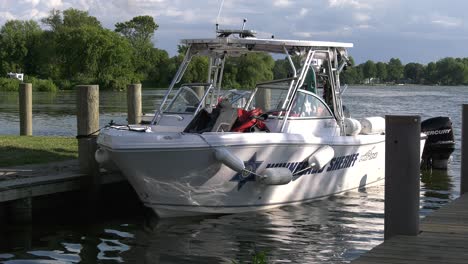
243	24
219	12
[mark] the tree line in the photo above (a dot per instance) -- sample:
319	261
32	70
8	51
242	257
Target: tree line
73	48
446	71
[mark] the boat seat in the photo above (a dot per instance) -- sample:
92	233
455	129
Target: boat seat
226	118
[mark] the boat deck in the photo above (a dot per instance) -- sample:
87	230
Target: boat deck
443	238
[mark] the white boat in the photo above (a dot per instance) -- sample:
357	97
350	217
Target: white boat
289	142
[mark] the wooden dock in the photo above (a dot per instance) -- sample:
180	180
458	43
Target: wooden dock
44	179
443	239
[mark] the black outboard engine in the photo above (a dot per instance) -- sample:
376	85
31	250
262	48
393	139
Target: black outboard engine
440	142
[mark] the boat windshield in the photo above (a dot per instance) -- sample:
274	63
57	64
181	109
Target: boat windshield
184	101
269	97
237	98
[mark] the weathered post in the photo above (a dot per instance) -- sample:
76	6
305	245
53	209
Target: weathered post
464	151
402	180
88	123
134	103
25	109
21	210
263	99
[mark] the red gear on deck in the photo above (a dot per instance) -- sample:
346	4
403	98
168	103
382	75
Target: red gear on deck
248	119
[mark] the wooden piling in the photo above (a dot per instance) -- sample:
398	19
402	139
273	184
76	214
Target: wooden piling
464	151
263	99
134	111
25	109
87	116
21	210
402	180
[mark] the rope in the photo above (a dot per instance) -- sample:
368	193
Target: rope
111	125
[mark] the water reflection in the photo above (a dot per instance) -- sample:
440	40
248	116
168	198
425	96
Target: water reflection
436	190
333	230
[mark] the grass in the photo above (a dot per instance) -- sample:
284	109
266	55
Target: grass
22	150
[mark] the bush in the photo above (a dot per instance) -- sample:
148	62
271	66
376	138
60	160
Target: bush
9	85
65	84
45	86
41	85
116	83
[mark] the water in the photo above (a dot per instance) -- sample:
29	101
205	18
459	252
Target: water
333	230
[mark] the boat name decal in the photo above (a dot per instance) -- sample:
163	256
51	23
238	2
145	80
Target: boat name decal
370	155
297	168
342	162
302	168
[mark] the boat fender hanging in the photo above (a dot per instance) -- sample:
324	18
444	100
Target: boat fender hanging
372	125
321	157
102	156
275	176
352	126
229	159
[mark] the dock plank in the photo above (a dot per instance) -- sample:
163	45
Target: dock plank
38	180
443	239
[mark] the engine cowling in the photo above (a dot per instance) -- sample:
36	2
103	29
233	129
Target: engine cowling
440	142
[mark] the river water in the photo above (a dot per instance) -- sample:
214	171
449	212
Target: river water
334	230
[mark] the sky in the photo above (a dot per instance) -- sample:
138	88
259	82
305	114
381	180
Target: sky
412	30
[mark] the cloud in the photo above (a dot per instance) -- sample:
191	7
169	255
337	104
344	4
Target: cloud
366	22
282	3
340	32
7	16
303	12
54	4
446	21
356	4
361	17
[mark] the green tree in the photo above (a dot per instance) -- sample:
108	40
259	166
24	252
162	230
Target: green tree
78	18
381	71
139	31
197	71
369	70
54	20
162	69
95	54
394	70
254	68
70	18
352	75
16	41
450	71
414	72
430	74
281	69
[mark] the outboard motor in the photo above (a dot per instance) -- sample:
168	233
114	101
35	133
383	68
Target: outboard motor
440	142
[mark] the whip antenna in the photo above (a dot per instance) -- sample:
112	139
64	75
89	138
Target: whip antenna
219	12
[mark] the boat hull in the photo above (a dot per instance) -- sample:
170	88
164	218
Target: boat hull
176	181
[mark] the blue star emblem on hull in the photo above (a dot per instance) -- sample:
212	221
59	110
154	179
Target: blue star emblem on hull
243	177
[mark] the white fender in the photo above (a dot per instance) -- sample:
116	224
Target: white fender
275	176
102	156
372	125
321	157
229	159
352	126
